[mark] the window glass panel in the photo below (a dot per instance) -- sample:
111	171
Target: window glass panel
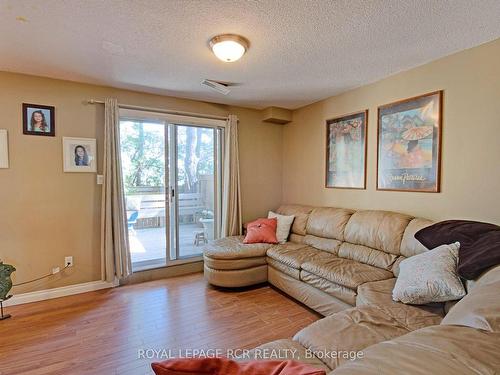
195	188
143	165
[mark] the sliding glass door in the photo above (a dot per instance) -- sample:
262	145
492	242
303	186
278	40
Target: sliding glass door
171	174
193	174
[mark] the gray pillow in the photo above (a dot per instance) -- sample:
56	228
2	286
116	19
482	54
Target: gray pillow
429	277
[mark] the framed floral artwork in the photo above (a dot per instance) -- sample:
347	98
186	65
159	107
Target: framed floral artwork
346	151
409	144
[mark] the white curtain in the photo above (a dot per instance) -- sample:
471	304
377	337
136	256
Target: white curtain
231	193
114	235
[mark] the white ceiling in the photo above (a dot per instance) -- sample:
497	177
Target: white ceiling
301	50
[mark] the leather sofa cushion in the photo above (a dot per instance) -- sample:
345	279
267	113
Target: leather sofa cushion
236	278
366	255
282	267
328	222
314	298
301	214
379	293
481	307
335	290
410	245
297	238
395	265
346	272
381	230
293	255
325	244
443	350
349	330
288	350
233	248
234	264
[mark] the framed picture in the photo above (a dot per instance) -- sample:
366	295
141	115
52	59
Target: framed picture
79	154
409	144
4	149
39	120
346	151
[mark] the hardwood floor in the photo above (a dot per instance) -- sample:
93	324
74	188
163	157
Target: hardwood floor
102	332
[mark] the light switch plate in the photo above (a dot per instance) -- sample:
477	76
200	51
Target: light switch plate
100	179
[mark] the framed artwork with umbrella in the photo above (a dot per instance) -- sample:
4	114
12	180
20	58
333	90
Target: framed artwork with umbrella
409	144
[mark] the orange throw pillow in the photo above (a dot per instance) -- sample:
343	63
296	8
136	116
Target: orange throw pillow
224	366
262	230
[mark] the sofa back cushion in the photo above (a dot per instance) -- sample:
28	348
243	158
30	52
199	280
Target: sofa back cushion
301	214
410	245
480	308
328	222
380	230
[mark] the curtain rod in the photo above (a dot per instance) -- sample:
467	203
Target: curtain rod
161	110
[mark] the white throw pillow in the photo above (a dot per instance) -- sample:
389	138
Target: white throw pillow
429	277
284	224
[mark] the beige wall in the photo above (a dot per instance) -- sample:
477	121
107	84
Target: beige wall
471	140
47	214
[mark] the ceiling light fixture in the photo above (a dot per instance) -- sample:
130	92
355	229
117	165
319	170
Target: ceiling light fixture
229	47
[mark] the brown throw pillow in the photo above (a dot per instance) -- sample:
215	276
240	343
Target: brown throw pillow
479	244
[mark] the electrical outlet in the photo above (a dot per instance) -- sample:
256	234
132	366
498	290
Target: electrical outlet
68	262
55	270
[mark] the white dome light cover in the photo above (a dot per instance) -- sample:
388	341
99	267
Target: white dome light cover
229	47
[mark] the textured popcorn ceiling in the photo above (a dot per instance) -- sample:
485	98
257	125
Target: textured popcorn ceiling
301	50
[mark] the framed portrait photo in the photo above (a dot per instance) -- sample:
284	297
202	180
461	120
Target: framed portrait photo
39	120
79	154
346	151
409	144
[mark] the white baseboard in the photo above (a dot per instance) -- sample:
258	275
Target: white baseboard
69	290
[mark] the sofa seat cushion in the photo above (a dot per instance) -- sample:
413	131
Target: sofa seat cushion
293	255
444	350
282	267
286	350
346	272
335	290
350	330
379	293
233	248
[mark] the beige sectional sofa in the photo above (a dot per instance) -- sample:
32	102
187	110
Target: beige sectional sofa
331	252
343	264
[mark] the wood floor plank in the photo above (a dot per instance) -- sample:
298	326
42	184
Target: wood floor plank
102	332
